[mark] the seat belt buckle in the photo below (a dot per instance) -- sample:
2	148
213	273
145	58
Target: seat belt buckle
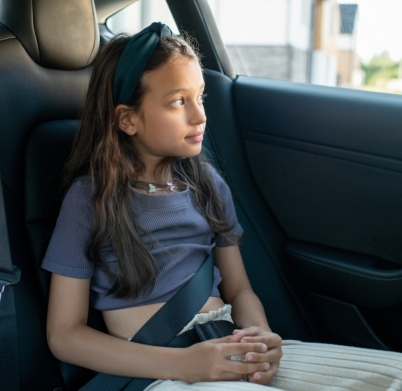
9	279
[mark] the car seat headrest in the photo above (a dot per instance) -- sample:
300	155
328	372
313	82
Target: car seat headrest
58	34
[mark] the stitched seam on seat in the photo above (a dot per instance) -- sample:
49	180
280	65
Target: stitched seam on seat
5	37
33	29
353	273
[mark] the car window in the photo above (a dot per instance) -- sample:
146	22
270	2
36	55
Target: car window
347	43
141	14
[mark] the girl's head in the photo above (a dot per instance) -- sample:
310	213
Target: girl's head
163	116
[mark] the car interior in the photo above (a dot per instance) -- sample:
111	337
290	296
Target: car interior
316	175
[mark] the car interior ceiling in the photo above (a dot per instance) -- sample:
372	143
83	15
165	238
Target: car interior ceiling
46	52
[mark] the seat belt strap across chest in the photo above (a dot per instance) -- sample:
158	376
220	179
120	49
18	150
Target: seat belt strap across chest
164	326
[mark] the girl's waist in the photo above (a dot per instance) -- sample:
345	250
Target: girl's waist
170	280
125	323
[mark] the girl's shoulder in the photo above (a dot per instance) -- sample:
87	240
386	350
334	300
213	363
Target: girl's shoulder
82	186
211	170
217	178
80	194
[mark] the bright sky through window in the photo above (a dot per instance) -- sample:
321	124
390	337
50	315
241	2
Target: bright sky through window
379	27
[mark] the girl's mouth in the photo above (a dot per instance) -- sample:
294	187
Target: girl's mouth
196	137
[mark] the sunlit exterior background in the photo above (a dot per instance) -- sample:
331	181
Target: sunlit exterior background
352	44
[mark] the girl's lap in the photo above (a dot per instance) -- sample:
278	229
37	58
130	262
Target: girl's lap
316	367
326	367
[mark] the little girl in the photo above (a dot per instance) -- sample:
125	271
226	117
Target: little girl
142	213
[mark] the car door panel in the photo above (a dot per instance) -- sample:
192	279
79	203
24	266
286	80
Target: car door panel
297	111
328	163
359	279
315	179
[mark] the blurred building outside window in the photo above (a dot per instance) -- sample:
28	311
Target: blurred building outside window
314	41
308	41
269	38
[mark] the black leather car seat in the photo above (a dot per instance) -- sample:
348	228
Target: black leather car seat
46	48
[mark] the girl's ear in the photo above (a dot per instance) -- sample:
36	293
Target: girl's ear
126	119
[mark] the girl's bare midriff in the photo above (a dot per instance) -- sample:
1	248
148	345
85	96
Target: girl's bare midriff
126	322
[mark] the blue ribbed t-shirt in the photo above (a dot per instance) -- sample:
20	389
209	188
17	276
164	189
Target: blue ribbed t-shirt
177	235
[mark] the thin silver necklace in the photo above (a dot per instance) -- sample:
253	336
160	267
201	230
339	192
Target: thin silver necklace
154	187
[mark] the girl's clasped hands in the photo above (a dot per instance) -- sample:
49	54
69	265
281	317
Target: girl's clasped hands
261	350
270	352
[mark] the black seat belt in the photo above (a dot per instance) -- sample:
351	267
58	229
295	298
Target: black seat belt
9	276
163	327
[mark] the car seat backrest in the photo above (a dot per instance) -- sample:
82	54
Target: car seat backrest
56	34
46	48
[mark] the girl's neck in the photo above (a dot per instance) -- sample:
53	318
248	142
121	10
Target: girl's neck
156	180
150	176
159	182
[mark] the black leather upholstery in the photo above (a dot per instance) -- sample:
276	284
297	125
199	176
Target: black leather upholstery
359	279
43	46
55	33
47	148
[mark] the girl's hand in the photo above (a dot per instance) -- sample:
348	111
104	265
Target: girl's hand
272	355
210	360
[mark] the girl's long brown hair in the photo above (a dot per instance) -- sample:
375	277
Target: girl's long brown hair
106	154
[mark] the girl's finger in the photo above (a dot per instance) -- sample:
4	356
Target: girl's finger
235	349
264	377
249	331
228	338
243	368
256	377
272	340
271	355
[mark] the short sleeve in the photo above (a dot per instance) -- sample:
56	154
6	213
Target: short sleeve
66	253
231	217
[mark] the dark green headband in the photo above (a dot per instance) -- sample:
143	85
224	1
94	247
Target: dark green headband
134	59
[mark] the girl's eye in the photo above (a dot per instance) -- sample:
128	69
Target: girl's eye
201	98
178	102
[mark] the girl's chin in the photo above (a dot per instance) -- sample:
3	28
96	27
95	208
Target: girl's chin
194	151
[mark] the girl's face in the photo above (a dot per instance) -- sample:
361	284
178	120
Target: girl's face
171	120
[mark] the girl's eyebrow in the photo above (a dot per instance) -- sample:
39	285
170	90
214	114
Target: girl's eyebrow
179	90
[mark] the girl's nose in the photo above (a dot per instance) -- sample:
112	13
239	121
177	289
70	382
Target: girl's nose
197	115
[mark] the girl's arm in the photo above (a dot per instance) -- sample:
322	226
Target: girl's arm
247	311
71	340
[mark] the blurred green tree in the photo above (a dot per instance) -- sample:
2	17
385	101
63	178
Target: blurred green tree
380	68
